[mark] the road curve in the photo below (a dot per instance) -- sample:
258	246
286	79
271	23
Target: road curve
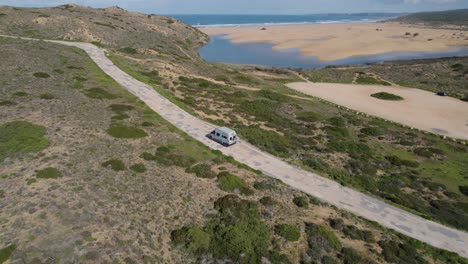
327	190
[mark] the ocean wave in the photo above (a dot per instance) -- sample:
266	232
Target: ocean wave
365	20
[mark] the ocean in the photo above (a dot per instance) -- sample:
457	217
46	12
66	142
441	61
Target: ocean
265	20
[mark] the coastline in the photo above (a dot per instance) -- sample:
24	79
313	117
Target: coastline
335	41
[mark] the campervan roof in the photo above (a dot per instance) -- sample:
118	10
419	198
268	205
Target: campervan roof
226	130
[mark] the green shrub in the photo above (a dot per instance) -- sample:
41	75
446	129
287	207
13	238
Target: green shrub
238	232
308	116
98	93
42	75
193	239
427	152
20	137
395	160
119	108
230	183
317	233
98	44
5	253
139	168
357	234
267	140
20	94
395	252
48	173
7	103
289	232
267	201
301	201
463	189
115	164
147	156
122	131
46	96
202	170
371	131
387	96
351	256
129	50
147	124
370	80
120	117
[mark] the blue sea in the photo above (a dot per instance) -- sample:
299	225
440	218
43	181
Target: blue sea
221	49
259	20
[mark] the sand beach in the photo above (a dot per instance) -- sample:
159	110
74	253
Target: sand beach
331	42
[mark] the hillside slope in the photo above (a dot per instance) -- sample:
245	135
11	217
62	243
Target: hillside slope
457	17
113	27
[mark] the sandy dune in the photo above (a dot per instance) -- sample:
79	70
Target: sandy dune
420	109
337	41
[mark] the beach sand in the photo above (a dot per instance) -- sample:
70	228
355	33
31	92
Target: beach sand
331	42
420	109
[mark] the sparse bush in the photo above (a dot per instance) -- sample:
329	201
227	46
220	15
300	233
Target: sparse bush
48	173
20	94
42	75
115	164
463	189
129	50
267	201
139	168
232	183
7	103
395	160
5	253
308	116
351	256
122	131
46	96
301	201
119	108
428	152
371	131
202	171
264	185
147	156
289	232
98	93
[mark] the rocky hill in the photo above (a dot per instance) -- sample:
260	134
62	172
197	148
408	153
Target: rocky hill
113	27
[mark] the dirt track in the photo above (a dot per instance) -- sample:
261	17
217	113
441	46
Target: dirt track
420	109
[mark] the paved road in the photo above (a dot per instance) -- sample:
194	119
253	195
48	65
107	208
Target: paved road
313	184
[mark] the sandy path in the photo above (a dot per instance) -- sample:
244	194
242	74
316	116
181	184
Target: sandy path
420	109
327	190
331	42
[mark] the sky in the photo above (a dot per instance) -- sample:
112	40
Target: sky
256	6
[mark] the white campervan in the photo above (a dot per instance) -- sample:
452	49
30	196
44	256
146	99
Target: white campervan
223	135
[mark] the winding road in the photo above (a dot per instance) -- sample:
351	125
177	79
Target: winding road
326	190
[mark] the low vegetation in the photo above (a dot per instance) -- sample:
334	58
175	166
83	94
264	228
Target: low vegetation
288	232
48	173
387	96
114	164
123	131
18	138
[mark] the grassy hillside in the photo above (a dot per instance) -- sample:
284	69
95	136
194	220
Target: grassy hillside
102	178
109	27
442	18
105	179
